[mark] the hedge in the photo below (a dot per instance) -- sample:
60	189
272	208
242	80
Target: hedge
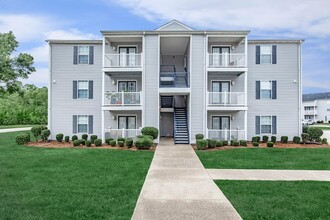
23	139
150	131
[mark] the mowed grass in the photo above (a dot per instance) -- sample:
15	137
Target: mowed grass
278	199
267	158
39	183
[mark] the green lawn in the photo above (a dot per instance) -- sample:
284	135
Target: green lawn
38	183
323	127
278	199
267	158
15	126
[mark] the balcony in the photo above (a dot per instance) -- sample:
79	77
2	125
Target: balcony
123	133
123	62
123	100
226	60
225	134
310	112
226	100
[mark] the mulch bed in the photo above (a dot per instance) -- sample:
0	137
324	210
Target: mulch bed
264	145
55	144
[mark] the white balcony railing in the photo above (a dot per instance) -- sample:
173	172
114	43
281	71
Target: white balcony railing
226	98
124	133
123	98
122	60
226	134
227	60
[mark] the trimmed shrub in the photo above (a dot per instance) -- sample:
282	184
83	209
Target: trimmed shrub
113	143
82	141
98	142
121	143
143	143
45	135
324	141
199	136
265	138
23	139
219	143
88	143
74	137
318	140
148	136
296	140
319	121
150	131
59	137
93	138
256	139
139	143
305	137
314	133
107	140
66	138
201	144
255	144
273	139
36	131
235	143
270	144
147	143
211	143
225	143
84	136
121	139
284	139
243	143
76	143
129	142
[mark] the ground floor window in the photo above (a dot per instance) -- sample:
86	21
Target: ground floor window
220	122
266	124
82	123
127	122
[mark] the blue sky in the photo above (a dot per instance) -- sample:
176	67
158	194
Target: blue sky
34	21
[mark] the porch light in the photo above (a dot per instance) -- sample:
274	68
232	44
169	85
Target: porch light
114	48
113	82
232	118
232	83
113	117
54	81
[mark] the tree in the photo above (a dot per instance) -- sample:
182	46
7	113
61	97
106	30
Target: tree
12	67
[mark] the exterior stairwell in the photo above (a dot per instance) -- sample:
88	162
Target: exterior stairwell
181	133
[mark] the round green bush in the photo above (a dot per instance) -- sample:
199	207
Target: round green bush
23	139
59	137
88	143
113	143
84	136
76	143
36	131
148	136
66	138
324	141
225	143
318	140
201	144
147	143
107	140
314	133
143	143
129	142
97	142
211	143
121	143
82	141
199	136
256	139
219	143
150	131
121	139
255	144
265	139
139	143
270	144
296	140
284	139
273	139
45	135
74	137
93	138
243	143
234	143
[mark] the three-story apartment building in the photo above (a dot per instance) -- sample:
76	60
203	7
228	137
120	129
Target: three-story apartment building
180	80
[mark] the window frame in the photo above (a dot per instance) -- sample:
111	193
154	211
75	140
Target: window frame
87	124
83	89
126	116
78	54
271	89
271	124
271	54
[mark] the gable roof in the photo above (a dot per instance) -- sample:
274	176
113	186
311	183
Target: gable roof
316	96
174	25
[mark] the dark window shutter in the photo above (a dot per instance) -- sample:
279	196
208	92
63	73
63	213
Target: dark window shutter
274	90
257	54
257	124
274	123
91	54
74	124
257	89
75	55
274	58
90	124
90	89
74	89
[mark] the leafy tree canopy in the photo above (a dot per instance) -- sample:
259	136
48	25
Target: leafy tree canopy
12	66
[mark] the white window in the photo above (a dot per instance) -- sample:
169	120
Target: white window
83	54
82	123
265	124
266	54
82	89
266	89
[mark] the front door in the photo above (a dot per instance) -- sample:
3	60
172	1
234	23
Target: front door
221	123
127	56
218	92
127	122
167	124
220	56
131	97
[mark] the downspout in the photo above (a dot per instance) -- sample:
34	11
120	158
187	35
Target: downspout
49	89
300	86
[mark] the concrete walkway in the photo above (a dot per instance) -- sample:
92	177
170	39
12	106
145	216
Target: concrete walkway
14	129
278	175
178	187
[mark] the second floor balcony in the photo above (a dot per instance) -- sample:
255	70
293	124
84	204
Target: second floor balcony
226	60
123	60
226	99
123	99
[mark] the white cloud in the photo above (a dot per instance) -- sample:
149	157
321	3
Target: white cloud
38	78
300	16
71	34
